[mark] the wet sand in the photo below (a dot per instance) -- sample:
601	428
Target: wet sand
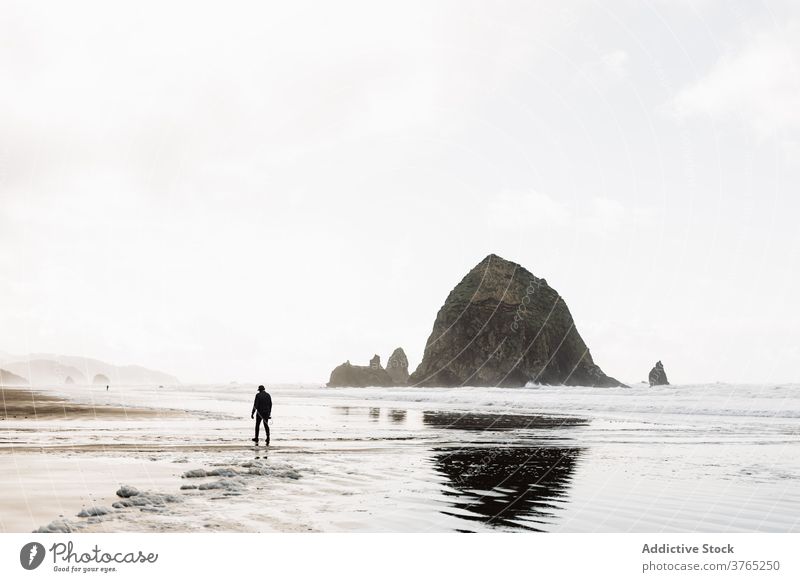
21	403
45	486
54	478
413	460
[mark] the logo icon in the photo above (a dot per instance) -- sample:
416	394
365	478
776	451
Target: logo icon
31	555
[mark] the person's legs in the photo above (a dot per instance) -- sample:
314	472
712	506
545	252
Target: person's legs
266	429
258	421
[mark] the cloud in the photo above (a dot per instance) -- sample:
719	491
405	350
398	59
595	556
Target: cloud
514	209
603	71
616	63
758	85
521	209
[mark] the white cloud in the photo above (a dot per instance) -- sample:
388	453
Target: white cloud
519	210
604	70
616	62
604	215
514	209
759	85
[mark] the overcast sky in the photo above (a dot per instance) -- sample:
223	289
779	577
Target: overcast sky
260	191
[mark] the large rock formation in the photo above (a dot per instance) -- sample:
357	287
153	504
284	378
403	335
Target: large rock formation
9	379
397	367
502	326
360	376
658	377
101	379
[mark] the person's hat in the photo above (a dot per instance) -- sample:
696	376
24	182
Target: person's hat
261	388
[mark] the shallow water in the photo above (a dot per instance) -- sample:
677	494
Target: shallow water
678	458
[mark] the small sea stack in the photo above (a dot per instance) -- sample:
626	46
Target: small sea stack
397	367
658	377
349	375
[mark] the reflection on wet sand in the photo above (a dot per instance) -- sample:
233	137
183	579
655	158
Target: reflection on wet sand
395	417
503	486
511	471
486	421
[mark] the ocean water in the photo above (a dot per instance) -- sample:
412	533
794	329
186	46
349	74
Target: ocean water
696	458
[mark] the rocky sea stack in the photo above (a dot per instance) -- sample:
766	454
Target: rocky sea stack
396	373
658	377
397	367
503	326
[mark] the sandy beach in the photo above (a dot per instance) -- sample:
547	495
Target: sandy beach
19	403
700	458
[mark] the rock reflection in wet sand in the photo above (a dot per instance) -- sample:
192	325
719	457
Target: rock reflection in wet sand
485	421
517	487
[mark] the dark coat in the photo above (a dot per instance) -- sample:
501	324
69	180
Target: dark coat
263	405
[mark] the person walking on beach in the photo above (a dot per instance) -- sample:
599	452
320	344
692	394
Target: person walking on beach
262	406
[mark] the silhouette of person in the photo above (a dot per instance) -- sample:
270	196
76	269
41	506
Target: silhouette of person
262	406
